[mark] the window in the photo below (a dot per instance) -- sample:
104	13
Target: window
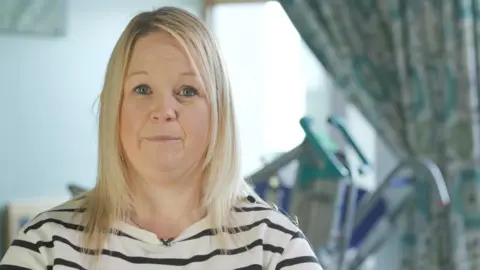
276	80
269	85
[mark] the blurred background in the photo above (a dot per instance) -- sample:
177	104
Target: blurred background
53	55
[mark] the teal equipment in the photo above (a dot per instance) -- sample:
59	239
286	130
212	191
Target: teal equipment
317	160
321	178
337	122
322	173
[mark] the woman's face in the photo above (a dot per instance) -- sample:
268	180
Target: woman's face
165	115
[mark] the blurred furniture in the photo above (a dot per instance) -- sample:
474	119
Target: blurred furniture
17	214
76	190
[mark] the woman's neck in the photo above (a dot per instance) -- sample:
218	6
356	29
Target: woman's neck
166	210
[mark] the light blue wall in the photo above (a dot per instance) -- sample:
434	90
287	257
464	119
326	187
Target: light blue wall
47	90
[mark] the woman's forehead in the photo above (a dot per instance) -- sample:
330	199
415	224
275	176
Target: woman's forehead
159	48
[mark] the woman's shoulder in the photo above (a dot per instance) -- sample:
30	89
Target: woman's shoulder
67	215
256	212
65	210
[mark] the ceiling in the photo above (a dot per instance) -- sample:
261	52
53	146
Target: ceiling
33	17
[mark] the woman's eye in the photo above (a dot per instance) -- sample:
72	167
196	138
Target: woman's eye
142	89
188	91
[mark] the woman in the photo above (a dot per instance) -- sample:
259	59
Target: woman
169	193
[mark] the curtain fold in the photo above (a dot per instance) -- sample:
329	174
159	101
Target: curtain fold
411	67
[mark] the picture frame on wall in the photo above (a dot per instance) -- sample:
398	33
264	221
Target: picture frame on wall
33	17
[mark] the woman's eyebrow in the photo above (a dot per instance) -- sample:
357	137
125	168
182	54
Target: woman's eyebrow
140	72
189	73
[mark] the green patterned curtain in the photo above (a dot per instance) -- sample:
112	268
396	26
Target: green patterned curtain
410	66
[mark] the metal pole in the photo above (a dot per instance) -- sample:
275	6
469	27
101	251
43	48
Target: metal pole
436	177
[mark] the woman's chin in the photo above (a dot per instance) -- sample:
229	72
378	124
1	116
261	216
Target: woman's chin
167	169
159	168
165	162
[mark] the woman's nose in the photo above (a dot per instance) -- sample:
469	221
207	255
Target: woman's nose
164	109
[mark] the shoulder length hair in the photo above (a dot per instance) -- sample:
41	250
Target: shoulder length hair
110	200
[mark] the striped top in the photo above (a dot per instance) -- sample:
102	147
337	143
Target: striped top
268	240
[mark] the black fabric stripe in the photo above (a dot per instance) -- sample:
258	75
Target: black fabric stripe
252	209
296	261
263	208
66	263
67	225
65	210
26	245
270	224
166	261
251	267
298	235
120	233
12	267
70	210
272	248
71	226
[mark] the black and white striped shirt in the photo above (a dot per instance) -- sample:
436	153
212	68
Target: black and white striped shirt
52	240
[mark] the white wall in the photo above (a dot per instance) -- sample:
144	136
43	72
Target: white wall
47	91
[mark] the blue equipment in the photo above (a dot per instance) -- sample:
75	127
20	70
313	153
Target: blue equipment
335	214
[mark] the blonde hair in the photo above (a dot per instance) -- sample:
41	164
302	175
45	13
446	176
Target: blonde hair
110	200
